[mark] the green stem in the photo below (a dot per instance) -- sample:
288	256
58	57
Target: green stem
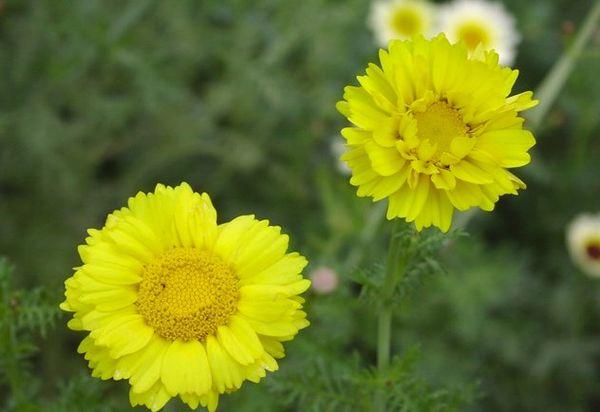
384	330
554	81
370	229
385	315
394	271
384	340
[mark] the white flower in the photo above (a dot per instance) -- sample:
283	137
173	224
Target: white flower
583	241
480	21
338	148
401	19
324	280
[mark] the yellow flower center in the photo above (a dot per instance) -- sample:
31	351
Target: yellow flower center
473	33
187	294
406	21
440	124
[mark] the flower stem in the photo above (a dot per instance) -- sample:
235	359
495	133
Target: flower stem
384	340
394	271
384	329
373	222
550	87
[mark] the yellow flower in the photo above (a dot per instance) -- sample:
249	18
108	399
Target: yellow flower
181	306
435	129
400	19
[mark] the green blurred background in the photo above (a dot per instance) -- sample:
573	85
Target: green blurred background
101	99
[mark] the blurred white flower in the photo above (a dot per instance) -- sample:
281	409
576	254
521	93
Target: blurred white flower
480	21
401	19
583	241
324	280
338	148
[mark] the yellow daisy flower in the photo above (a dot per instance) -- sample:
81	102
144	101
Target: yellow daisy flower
181	306
435	129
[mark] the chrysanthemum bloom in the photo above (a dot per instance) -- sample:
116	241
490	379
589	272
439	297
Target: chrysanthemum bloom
401	19
181	306
434	130
583	241
476	22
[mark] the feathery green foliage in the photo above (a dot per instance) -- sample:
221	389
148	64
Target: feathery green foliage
347	385
24	317
27	318
420	256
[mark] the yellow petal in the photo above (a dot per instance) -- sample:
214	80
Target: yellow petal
388	185
210	401
286	270
343	107
111	299
438	211
127	242
234	347
229	235
386	133
461	146
355	136
145	366
124	335
281	329
465	195
470	172
268	311
376	83
449	159
508	146
363	111
419	198
260	247
190	400
154	398
194	219
426	150
385	161
225	370
444	180
185	368
246	336
398	203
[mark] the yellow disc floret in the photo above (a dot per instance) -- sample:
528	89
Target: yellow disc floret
187	294
440	123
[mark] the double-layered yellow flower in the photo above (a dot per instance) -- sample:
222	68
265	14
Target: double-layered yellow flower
435	129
